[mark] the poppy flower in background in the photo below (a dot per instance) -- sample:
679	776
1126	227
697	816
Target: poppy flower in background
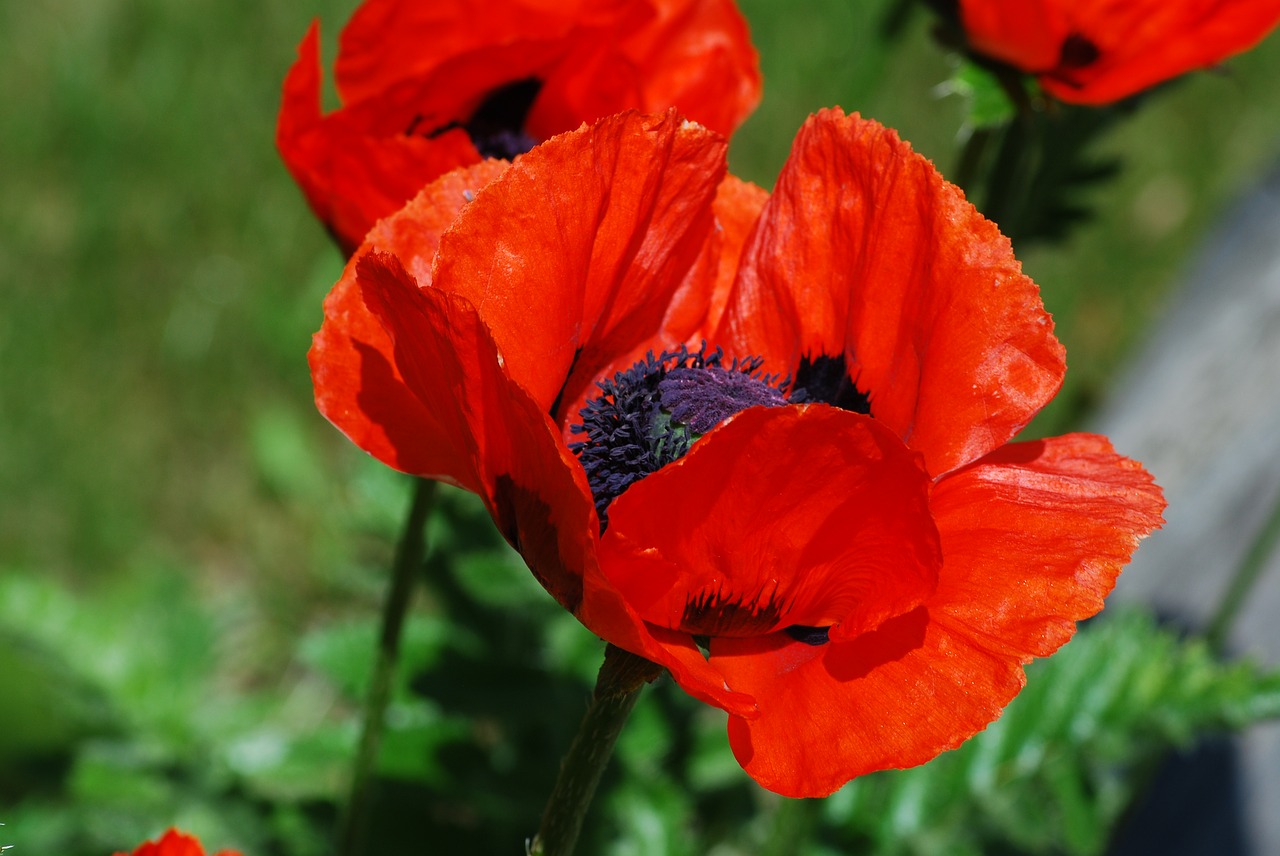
1100	51
760	440
427	87
174	843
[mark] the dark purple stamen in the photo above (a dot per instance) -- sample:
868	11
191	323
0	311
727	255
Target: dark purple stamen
703	398
649	415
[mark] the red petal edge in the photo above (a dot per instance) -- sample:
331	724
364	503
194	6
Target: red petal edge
1033	537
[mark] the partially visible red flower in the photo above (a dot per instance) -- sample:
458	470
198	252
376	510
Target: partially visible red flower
174	843
824	529
1099	51
430	86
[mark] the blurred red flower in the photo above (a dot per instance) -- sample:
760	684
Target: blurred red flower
823	529
427	87
175	843
1099	51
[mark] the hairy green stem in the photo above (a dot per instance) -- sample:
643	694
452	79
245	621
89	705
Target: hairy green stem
617	688
410	554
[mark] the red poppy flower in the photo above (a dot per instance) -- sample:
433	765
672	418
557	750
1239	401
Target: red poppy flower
428	87
814	520
1099	51
174	843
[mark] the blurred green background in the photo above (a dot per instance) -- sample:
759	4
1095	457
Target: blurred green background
190	556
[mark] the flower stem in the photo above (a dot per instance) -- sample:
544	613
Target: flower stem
410	553
617	688
1246	576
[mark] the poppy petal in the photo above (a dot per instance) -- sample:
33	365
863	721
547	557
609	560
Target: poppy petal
699	302
576	251
865	251
1027	35
608	615
1034	536
696	55
1131	46
842	538
357	384
533	486
388	41
737	207
892	698
174	843
1147	43
349	177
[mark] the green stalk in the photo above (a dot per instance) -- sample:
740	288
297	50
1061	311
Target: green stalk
1245	578
617	688
410	554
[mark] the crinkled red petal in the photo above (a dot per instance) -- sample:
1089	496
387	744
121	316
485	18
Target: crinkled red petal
575	253
737	207
350	176
508	450
357	384
891	698
696	55
1025	34
802	515
1139	43
607	614
1032	538
865	250
593	58
389	41
1148	43
697	305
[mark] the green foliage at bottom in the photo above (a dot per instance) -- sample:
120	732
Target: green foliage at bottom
118	731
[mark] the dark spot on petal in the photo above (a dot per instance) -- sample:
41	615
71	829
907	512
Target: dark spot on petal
1077	52
825	379
524	518
809	635
720	613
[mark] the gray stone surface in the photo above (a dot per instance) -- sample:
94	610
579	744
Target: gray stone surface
1200	406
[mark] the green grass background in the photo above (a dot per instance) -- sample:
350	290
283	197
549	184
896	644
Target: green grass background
161	276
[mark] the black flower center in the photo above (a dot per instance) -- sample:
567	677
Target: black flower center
649	415
826	379
496	127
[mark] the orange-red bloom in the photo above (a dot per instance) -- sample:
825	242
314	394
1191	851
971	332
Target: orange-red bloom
823	530
175	843
427	87
1099	51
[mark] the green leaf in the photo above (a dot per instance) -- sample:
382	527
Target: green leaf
988	104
